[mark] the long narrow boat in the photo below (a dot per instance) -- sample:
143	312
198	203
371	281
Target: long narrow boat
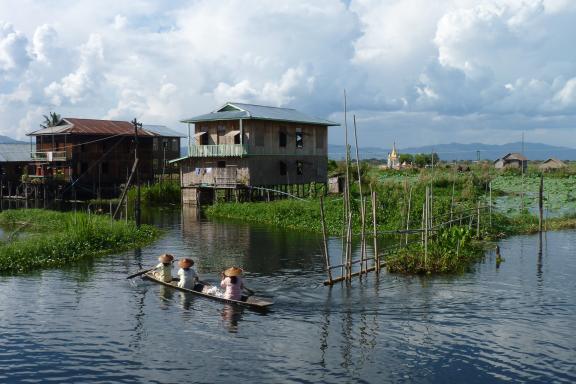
253	302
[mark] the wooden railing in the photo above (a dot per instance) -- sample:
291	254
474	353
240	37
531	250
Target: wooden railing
222	150
49	156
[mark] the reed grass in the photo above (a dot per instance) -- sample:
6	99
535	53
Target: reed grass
157	194
58	238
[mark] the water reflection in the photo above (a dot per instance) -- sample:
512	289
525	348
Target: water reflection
231	317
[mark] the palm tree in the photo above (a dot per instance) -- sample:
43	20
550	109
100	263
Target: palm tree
52	120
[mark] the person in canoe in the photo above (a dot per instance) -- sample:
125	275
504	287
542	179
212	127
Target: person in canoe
163	271
188	277
233	283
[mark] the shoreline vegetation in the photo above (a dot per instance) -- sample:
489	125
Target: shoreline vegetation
53	238
453	248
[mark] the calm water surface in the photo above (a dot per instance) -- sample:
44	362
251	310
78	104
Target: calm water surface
88	323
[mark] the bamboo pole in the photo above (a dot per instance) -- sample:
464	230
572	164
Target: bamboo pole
490	202
408	213
452	202
427	203
325	240
478	221
541	203
423	218
349	246
376	257
362	207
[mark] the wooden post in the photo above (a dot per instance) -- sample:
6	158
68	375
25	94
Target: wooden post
427	205
325	240
362	207
422	225
452	202
490	202
374	227
478	221
541	203
349	246
408	214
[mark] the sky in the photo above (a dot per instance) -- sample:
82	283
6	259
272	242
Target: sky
416	72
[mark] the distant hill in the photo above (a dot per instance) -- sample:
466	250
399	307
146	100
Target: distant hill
9	140
456	151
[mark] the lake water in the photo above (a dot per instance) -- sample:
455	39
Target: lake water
87	323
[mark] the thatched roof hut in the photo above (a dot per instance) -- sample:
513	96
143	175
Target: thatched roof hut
552	164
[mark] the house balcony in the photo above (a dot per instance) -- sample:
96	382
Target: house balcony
222	150
49	156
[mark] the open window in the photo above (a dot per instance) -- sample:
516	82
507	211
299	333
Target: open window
299	168
282	138
299	138
221	164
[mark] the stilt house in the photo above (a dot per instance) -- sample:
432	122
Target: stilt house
242	146
96	156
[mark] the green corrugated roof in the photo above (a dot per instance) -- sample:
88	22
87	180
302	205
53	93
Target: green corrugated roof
235	111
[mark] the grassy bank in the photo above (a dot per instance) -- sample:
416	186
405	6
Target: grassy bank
400	203
58	238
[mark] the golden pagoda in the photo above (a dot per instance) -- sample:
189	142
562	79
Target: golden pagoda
393	160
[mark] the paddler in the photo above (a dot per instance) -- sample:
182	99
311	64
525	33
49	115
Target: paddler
233	283
163	271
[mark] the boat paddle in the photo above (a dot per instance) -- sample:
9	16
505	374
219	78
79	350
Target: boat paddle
140	273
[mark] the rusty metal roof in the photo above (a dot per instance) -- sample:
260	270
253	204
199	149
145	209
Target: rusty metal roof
73	126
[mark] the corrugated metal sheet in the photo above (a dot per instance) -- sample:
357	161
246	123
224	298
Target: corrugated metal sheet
104	127
15	153
162	130
234	111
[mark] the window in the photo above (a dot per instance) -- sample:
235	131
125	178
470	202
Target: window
319	138
221	164
299	168
204	139
299	138
155	144
282	138
283	168
259	138
176	145
237	139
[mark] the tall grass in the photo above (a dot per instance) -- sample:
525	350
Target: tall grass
58	238
162	193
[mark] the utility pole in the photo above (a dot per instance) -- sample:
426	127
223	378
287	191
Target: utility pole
137	125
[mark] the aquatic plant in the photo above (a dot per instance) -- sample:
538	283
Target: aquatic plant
58	238
162	193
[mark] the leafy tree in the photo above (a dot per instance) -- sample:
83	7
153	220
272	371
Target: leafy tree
52	120
406	157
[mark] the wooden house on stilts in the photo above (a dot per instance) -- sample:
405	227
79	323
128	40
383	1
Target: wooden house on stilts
246	149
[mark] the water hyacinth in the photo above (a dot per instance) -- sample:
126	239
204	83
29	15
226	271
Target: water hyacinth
57	238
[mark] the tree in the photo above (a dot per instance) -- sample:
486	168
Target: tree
52	120
406	158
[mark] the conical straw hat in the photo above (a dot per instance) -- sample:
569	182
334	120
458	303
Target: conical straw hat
166	258
233	271
185	263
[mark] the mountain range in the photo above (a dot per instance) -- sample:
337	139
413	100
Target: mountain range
457	151
9	140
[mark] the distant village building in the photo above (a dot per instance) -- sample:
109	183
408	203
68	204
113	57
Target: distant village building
96	156
551	164
393	159
242	146
336	184
512	160
14	163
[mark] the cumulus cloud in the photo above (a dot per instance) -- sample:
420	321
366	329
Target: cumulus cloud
442	70
76	86
13	49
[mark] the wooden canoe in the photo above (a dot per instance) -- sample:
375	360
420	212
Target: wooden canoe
252	301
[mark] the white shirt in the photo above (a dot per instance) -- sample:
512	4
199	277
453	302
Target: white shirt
187	278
